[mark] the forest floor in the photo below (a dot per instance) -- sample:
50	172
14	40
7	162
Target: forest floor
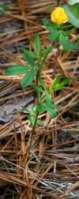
52	171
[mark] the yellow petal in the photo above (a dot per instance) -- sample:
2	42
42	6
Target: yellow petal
59	16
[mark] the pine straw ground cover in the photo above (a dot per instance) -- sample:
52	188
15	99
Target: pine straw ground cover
52	171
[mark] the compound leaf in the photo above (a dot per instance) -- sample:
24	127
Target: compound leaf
50	106
16	70
29	57
28	78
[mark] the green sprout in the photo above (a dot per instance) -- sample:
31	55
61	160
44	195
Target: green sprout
32	72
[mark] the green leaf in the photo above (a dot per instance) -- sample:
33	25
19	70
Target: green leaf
50	26
73	14
50	107
59	83
37	89
72	2
42	84
16	70
29	57
66	43
60	86
75	10
41	107
47	24
31	115
54	36
3	8
46	52
27	79
37	45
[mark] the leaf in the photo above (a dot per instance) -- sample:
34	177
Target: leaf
72	15
47	24
37	45
29	57
66	43
54	36
46	52
58	83
16	70
60	86
37	89
75	10
41	107
50	26
3	8
72	2
50	107
27	79
31	115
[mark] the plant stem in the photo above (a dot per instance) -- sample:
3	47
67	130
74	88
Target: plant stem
37	113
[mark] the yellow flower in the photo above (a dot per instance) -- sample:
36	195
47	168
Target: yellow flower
59	16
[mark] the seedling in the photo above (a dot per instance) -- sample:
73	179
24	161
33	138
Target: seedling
32	76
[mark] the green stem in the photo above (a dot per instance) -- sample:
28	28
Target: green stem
37	113
38	98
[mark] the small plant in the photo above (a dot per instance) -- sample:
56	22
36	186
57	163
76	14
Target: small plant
35	60
32	76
